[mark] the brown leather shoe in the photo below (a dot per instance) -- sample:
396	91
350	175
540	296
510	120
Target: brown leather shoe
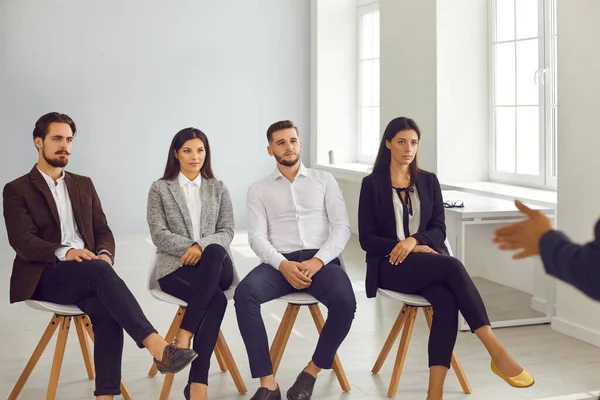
175	359
265	394
303	387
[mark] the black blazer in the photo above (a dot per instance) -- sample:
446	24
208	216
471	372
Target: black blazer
377	222
575	264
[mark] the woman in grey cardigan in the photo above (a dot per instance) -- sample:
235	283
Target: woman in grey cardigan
191	223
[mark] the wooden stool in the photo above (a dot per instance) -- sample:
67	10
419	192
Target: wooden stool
406	318
222	352
62	318
295	301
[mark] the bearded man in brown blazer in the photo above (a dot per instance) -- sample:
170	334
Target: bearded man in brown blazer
65	251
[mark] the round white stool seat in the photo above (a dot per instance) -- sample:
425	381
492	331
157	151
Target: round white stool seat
408	299
167	298
299	298
60	309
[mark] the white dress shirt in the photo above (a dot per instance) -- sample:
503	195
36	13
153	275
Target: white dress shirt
191	191
308	213
414	220
70	237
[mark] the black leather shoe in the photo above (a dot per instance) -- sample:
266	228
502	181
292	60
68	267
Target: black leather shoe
265	394
175	359
303	387
186	392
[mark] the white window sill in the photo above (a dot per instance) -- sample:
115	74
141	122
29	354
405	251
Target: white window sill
540	197
353	172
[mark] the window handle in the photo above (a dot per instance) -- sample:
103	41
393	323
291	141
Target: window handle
544	71
541	73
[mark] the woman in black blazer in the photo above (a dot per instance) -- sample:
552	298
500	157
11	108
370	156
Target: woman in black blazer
402	229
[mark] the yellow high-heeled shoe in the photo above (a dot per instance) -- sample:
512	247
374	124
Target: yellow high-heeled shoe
523	380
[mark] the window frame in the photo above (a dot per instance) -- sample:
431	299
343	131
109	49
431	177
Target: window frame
545	78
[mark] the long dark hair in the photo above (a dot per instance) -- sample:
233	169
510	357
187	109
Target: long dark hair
172	167
384	156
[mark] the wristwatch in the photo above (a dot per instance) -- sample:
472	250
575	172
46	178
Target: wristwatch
103	251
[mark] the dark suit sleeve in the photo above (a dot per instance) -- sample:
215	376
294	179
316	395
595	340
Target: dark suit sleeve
435	231
368	236
23	235
575	264
102	234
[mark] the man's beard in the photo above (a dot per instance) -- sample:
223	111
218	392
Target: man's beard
56	162
287	163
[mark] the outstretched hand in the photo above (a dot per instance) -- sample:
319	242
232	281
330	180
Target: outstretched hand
523	235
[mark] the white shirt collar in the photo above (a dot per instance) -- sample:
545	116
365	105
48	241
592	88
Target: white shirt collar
183	180
49	180
301	172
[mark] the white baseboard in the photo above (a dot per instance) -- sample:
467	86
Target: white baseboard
576	331
539	305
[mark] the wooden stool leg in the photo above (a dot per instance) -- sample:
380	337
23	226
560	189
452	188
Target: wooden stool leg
37	353
220	360
283	334
337	365
166	387
402	350
171	333
389	342
230	364
124	391
59	353
87	324
85	347
165	392
276	345
458	370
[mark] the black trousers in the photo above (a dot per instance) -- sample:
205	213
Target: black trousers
95	287
331	286
202	286
445	283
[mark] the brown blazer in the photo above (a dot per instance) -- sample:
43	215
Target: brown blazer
33	226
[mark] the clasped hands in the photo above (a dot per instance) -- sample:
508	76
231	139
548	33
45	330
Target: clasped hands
80	255
404	247
299	274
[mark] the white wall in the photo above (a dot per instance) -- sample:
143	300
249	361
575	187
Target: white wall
462	90
578	143
131	74
408	69
434	68
334	80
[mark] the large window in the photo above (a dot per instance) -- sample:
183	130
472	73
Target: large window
523	92
368	82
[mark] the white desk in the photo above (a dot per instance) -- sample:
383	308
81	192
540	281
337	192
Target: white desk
481	210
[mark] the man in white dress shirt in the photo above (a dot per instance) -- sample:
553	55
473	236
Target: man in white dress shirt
298	226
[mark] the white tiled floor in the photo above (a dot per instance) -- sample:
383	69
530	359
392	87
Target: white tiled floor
564	368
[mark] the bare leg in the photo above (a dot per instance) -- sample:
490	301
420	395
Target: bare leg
312	369
198	391
184	338
268	382
503	360
437	376
155	345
